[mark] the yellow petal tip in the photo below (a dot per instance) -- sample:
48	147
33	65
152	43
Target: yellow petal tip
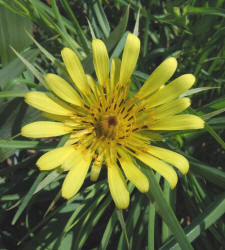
66	195
172	62
65	50
144	187
189	78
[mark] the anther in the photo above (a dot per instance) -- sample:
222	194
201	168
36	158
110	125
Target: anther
130	108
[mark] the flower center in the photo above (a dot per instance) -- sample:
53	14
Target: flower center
114	115
107	126
111	121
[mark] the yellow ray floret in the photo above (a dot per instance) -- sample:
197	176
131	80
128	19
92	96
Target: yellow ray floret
118	187
178	122
101	61
159	166
129	58
158	77
115	72
44	102
45	129
133	173
54	158
62	89
169	109
75	69
177	160
76	175
171	91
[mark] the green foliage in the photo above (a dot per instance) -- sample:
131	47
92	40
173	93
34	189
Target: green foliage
33	216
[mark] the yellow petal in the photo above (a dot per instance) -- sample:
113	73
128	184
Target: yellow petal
171	108
134	174
93	86
158	77
78	171
54	158
75	69
129	58
114	72
73	158
100	61
59	118
178	122
96	168
177	160
171	91
62	89
45	129
71	140
118	187
43	102
161	167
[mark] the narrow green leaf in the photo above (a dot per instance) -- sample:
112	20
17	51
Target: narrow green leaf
94	218
212	132
108	231
118	32
47	180
166	211
27	198
80	211
204	11
212	114
91	30
32	69
123	225
136	27
151	227
212	174
101	17
201	223
16	67
27	144
12	33
42	49
215	135
79	30
196	90
12	93
57	197
165	230
133	216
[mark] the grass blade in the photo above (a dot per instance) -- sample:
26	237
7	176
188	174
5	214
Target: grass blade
27	198
202	222
166	212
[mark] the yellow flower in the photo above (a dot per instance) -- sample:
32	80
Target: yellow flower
107	125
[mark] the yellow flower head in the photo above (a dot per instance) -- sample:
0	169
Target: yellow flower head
107	125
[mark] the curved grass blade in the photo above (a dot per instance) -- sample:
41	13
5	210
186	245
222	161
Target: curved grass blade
12	93
19	144
27	198
151	227
201	223
101	17
166	211
16	67
32	69
123	225
108	231
91	220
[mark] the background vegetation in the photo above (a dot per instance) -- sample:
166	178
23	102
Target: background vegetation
32	214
